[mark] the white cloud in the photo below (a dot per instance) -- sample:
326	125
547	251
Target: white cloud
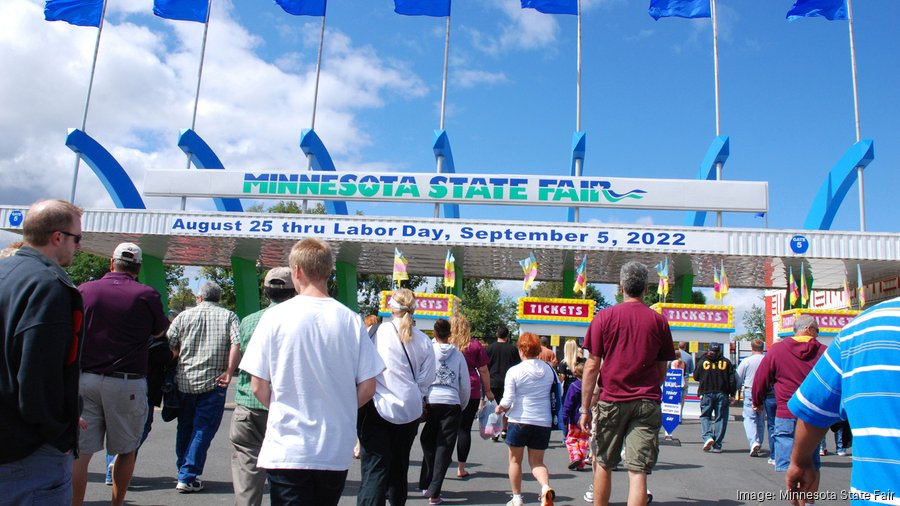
468	78
251	110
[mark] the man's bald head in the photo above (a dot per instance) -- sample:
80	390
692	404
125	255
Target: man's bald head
46	217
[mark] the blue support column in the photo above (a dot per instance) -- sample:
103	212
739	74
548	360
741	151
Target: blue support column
836	185
442	149
717	153
579	142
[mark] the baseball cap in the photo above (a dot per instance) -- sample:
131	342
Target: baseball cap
279	277
128	252
715	347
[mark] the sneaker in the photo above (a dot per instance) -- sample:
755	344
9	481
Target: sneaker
576	464
187	488
707	446
823	452
435	500
754	450
503	435
649	497
842	453
547	497
495	438
515	502
717	450
771	461
589	495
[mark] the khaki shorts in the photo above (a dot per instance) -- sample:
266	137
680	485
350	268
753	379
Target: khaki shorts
116	408
633	425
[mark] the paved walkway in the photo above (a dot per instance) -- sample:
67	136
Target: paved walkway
685	475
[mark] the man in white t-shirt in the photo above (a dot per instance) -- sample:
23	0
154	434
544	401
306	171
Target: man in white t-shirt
313	365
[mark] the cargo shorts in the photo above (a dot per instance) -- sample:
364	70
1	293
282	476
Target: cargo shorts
632	425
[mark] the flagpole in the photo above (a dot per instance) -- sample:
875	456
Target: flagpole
440	158
87	102
309	157
859	169
715	27
578	161
199	79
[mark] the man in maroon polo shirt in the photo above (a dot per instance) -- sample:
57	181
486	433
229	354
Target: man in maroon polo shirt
121	317
634	343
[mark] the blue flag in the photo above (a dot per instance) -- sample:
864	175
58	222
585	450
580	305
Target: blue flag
679	8
303	7
74	12
182	10
552	6
828	9
436	8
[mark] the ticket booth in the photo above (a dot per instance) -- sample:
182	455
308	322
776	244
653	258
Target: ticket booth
698	325
830	321
557	318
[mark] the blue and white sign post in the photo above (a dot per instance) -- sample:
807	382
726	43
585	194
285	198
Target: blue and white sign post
671	401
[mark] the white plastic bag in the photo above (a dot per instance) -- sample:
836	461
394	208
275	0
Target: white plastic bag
489	423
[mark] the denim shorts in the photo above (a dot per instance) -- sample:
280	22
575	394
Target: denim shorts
532	436
784	444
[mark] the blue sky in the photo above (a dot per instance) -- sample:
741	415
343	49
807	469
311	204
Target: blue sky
648	103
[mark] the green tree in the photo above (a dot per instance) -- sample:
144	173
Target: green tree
554	289
484	306
370	287
755	323
87	267
181	296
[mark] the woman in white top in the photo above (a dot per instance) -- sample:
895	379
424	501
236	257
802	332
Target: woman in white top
526	402
446	396
387	425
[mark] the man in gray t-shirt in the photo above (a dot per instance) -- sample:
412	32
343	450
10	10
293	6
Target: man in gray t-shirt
754	421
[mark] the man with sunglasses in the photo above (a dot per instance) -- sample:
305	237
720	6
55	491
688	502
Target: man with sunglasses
41	317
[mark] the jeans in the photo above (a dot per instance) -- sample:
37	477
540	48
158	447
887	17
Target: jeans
784	444
438	440
714	417
754	423
384	458
198	422
42	478
838	441
306	487
771	407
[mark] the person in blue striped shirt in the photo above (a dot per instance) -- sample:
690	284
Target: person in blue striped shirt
856	380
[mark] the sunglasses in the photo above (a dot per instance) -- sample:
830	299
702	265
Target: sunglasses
76	237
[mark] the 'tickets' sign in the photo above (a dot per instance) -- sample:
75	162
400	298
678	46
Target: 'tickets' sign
428	305
540	309
693	316
830	321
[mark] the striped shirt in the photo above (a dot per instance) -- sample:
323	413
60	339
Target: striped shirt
203	337
858	379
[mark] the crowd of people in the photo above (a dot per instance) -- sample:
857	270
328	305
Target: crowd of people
82	369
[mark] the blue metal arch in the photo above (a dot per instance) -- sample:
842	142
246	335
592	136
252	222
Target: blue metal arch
717	153
203	157
836	185
442	148
114	178
579	142
311	144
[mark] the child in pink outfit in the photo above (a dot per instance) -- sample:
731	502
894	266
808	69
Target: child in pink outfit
576	439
